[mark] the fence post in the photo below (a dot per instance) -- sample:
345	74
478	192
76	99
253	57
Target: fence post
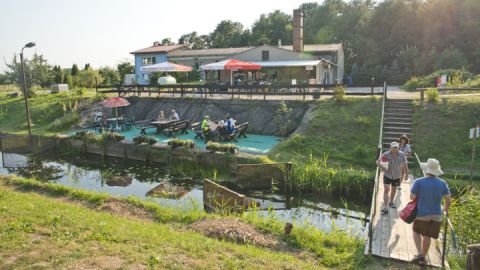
96	85
181	90
422	95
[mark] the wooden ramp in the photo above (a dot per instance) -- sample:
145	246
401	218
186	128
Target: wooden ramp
392	238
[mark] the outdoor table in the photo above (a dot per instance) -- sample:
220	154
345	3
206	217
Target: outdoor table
161	124
115	121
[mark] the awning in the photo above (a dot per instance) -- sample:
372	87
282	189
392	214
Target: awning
294	63
231	64
165	67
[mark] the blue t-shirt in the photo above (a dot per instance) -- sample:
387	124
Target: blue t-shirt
429	192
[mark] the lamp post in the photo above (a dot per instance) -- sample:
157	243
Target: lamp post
28	45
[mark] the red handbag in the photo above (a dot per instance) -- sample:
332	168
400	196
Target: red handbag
409	213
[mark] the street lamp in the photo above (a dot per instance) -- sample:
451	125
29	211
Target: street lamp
28	45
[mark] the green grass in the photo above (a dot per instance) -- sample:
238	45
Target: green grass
49	113
345	131
338	146
71	234
441	131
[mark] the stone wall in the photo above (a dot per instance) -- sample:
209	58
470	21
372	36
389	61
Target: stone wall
259	113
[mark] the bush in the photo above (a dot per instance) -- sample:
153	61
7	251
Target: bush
112	137
315	175
144	140
465	213
219	147
64	122
85	135
339	93
432	95
181	143
430	80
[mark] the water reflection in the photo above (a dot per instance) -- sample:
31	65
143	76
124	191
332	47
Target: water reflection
180	187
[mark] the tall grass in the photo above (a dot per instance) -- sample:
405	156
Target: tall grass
316	175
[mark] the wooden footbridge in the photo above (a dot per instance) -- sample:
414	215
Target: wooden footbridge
389	236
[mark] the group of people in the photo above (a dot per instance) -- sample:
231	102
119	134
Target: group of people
214	128
427	191
173	116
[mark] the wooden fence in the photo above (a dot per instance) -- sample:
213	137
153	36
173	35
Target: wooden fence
211	90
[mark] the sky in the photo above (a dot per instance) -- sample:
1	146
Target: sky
104	32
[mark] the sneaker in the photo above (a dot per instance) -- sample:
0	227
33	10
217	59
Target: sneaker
419	259
392	205
384	211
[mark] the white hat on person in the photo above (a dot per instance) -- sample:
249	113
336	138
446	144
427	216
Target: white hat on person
432	166
394	144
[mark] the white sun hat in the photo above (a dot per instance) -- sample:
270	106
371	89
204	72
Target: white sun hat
394	145
432	166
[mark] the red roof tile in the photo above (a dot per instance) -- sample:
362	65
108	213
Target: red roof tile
161	49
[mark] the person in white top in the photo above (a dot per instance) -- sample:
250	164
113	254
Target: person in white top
404	145
174	116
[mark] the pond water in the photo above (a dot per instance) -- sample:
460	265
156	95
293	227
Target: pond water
254	143
181	187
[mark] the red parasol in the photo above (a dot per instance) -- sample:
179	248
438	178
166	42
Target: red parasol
115	102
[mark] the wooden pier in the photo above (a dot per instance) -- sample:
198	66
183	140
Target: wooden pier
392	238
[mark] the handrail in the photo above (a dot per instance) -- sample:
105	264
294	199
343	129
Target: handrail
448	224
373	207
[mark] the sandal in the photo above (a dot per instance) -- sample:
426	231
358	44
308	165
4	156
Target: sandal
419	259
392	205
384	211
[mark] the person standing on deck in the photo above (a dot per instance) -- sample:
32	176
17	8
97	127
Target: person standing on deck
396	171
161	116
428	191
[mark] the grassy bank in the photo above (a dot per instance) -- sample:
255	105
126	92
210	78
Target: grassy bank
337	150
72	235
441	131
49	113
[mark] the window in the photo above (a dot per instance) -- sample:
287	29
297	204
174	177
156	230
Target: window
265	55
148	60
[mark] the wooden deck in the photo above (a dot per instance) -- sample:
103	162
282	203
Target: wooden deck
392	238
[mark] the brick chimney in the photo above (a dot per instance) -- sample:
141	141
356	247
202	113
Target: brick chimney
297	30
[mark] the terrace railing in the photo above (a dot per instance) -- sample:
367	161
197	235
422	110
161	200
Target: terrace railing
210	90
373	206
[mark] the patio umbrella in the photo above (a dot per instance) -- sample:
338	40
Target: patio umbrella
115	102
165	67
232	65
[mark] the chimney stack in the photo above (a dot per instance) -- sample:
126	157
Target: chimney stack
297	30
156	43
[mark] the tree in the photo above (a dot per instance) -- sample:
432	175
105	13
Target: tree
87	66
452	58
87	77
125	67
74	71
194	40
167	41
37	71
110	76
58	75
270	28
227	34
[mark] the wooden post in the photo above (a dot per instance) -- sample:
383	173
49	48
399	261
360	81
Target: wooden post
96	85
475	137
422	95
445	233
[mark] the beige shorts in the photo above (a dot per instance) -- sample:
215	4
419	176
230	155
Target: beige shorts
428	225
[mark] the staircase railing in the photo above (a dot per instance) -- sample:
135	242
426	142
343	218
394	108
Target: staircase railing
447	225
373	206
